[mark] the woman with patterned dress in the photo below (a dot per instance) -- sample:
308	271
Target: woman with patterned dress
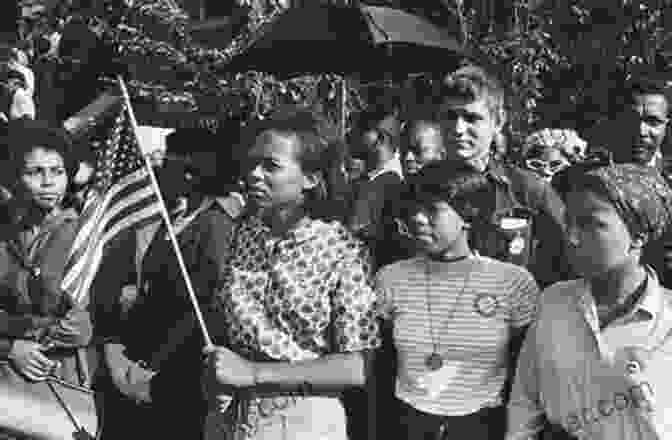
296	298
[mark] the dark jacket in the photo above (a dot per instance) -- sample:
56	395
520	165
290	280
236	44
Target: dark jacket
371	215
160	330
519	188
32	303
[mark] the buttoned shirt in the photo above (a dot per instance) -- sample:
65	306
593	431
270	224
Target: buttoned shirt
300	296
600	384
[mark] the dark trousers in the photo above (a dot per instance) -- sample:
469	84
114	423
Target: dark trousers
486	424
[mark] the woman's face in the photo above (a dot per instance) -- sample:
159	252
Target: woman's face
275	178
436	226
599	241
43	179
547	163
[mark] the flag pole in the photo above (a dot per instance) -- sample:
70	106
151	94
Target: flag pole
166	217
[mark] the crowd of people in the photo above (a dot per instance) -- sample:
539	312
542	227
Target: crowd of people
419	286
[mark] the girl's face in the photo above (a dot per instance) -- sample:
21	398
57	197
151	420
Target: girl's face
436	226
547	163
598	239
275	178
43	179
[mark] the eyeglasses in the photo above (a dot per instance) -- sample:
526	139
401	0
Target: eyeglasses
540	165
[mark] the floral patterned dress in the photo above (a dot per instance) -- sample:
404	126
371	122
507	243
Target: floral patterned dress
300	296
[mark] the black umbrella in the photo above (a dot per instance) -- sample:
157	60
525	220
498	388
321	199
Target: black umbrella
365	40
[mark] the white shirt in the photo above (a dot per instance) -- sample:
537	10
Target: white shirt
609	384
393	165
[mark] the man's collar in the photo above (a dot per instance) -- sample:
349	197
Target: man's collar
651	301
648	305
392	165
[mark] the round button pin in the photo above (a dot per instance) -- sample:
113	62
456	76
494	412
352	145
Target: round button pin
632	367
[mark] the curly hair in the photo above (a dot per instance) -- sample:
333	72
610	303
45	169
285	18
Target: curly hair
25	135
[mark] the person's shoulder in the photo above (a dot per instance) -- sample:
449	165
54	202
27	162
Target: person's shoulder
523	178
505	269
399	269
562	294
667	296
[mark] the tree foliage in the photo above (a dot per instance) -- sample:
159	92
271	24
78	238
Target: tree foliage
562	61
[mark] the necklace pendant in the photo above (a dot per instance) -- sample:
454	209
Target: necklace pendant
434	361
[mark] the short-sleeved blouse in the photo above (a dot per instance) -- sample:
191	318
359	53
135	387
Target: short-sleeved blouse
300	296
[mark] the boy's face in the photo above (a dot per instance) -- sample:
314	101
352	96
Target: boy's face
599	241
436	226
425	145
469	128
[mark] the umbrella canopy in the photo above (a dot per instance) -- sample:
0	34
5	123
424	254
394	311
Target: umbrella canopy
366	40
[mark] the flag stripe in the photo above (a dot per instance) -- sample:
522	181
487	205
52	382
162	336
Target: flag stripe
106	216
125	197
92	217
116	212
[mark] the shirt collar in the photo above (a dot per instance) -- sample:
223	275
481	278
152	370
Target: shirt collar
233	204
392	165
656	160
649	305
303	230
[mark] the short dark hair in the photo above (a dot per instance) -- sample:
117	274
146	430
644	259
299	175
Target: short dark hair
462	187
320	150
646	85
183	143
382	117
25	135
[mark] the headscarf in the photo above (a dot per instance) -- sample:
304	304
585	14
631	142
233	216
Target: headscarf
640	195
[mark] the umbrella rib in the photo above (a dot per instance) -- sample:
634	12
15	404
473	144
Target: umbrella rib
373	22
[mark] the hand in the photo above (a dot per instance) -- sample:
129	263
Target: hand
224	367
74	330
138	383
128	377
133	381
29	360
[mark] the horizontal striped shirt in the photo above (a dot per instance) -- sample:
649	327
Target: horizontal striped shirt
463	310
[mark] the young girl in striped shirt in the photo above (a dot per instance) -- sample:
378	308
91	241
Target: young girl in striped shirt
457	317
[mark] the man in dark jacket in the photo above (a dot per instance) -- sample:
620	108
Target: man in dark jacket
472	113
144	320
376	141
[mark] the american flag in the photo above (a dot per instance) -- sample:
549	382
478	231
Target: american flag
122	197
